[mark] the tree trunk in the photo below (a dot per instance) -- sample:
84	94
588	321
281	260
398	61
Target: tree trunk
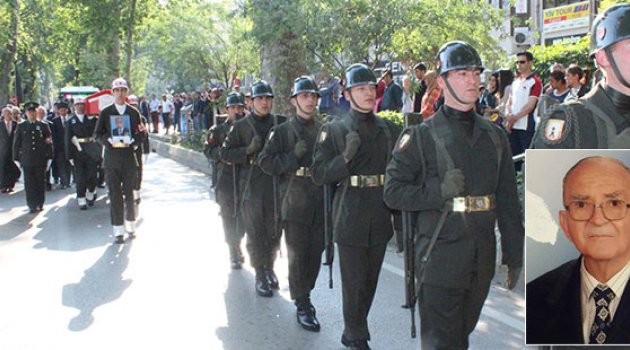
8	57
282	62
128	44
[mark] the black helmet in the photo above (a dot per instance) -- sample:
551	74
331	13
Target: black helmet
457	55
359	74
304	85
234	99
261	88
611	26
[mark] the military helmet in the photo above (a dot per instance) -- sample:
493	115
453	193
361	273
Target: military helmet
304	85
457	55
359	74
611	26
234	99
119	83
261	88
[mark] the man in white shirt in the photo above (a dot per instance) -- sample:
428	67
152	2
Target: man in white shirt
154	107
167	109
585	301
521	104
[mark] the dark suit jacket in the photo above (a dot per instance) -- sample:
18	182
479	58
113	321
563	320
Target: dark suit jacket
6	140
58	134
125	132
554	313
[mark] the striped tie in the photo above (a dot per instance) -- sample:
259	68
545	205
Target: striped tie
602	296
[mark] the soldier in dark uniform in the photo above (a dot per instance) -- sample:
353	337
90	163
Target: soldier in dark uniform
143	149
289	155
62	169
83	152
600	119
352	151
241	147
455	172
223	178
120	162
33	149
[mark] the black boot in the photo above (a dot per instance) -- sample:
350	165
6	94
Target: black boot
272	279
355	344
306	315
262	285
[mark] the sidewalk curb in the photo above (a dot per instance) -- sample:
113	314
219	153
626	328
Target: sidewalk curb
192	159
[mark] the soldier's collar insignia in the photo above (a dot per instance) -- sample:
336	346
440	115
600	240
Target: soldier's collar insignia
38	128
553	129
404	140
322	136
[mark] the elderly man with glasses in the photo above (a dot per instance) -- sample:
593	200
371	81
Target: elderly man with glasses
585	301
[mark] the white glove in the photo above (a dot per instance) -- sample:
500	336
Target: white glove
17	163
75	142
72	161
110	140
48	164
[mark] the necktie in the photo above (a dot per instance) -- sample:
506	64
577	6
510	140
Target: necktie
602	296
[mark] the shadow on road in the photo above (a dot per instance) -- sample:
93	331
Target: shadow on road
17	226
102	283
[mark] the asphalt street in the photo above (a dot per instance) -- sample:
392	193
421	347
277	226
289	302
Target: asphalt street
64	285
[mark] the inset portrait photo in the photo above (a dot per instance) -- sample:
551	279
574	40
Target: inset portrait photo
577	248
121	129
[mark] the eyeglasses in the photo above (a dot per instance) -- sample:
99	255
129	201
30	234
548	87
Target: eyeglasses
521	62
613	209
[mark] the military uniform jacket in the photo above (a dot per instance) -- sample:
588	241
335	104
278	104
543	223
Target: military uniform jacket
32	144
361	219
302	200
221	170
593	121
119	156
58	128
82	130
413	184
253	182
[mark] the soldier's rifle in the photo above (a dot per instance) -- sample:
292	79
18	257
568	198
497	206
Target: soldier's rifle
328	229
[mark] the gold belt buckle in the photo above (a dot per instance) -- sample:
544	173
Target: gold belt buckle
303	171
370	181
354	181
120	145
478	203
459	204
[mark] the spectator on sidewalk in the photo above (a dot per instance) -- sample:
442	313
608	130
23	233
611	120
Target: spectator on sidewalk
574	80
392	96
154	107
526	91
167	110
419	70
431	96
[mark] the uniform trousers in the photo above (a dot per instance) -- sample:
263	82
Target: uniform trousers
121	181
86	172
305	244
449	315
140	168
63	169
226	203
259	225
360	268
35	185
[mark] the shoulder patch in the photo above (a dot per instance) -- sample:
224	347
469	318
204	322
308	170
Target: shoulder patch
404	140
553	129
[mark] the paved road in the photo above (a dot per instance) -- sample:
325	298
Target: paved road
65	286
